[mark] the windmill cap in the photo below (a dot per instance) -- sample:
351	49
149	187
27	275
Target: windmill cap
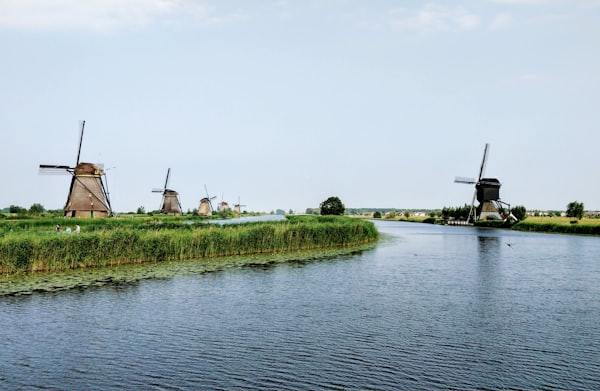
88	169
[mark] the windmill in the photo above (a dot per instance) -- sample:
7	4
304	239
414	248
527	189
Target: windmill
170	200
487	193
223	205
238	207
88	193
206	207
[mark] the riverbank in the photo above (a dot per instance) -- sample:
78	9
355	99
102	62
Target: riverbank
36	246
561	225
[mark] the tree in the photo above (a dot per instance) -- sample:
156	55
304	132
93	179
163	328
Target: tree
519	212
377	215
141	210
332	206
36	209
575	209
16	209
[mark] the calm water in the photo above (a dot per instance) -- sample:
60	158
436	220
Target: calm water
429	308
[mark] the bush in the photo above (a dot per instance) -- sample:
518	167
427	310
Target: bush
519	212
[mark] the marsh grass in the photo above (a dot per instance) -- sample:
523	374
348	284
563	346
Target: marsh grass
35	246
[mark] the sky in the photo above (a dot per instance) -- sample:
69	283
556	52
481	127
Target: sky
281	104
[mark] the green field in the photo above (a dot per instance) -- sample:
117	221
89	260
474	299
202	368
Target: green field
34	245
565	225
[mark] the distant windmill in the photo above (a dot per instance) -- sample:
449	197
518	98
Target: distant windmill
170	200
223	205
88	193
487	192
238	207
206	207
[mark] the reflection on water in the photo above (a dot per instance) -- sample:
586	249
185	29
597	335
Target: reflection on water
429	308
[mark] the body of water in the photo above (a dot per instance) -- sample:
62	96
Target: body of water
431	307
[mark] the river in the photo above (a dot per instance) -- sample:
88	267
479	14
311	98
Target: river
430	307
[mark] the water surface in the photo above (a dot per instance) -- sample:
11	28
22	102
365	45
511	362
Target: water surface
430	307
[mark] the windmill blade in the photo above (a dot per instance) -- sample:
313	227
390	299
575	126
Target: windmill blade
81	126
167	180
460	179
51	169
472	206
484	160
155	190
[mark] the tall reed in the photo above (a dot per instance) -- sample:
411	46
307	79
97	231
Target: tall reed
25	250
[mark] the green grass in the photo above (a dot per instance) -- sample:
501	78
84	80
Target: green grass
34	245
565	225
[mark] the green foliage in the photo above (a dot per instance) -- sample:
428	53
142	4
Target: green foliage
377	215
493	223
580	229
575	209
332	206
34	244
225	213
16	209
519	212
36	209
456	213
141	210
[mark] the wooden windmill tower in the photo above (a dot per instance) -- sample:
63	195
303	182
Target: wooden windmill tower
487	192
206	207
88	193
170	199
238	207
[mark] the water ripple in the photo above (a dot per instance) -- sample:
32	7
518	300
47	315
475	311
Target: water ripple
433	308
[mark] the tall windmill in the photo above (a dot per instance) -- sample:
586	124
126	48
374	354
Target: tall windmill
88	193
487	193
206	207
170	198
238	207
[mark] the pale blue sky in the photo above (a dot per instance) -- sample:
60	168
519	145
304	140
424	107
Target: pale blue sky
285	103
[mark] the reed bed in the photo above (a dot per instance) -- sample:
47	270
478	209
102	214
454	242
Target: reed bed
26	248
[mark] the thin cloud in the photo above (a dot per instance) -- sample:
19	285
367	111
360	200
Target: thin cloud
95	15
502	21
433	18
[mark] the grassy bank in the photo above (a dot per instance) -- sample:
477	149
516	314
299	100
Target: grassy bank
35	246
563	225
